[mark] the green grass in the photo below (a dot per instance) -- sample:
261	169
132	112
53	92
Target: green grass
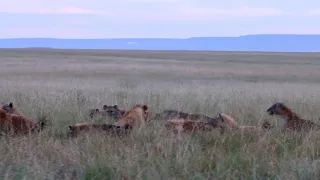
64	84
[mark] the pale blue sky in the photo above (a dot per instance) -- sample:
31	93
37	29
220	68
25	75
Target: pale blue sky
156	18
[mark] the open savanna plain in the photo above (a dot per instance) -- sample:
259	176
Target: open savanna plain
65	84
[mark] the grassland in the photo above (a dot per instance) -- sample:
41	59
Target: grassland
64	84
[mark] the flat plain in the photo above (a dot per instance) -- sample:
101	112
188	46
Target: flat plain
64	84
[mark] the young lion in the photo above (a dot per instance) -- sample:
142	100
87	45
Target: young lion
244	129
137	115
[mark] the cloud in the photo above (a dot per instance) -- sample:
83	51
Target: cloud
212	13
154	1
181	13
190	13
70	10
74	10
67	10
313	12
47	32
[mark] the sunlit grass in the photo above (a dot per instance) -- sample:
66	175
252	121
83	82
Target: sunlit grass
153	152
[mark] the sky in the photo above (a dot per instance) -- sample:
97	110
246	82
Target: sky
156	18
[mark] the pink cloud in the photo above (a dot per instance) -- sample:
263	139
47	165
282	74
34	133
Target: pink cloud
76	21
155	1
313	12
172	14
48	32
209	13
73	10
190	13
67	10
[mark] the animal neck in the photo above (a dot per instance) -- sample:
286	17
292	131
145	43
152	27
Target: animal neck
290	115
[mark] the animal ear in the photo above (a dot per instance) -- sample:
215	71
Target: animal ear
220	116
282	105
11	105
145	107
70	128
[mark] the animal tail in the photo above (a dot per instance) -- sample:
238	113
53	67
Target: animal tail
229	120
41	123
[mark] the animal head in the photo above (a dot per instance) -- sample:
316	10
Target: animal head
228	120
9	108
138	114
76	128
218	122
113	111
93	112
139	109
145	111
277	109
110	108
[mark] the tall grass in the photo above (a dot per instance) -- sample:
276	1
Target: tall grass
58	85
152	152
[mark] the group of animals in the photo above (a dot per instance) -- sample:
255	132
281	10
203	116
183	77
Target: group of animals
12	121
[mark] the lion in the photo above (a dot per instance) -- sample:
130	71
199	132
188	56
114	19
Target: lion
14	124
292	120
244	129
107	128
137	115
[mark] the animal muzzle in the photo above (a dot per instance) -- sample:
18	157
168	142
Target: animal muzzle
270	111
71	134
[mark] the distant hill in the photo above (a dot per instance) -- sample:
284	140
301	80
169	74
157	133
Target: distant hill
277	43
39	48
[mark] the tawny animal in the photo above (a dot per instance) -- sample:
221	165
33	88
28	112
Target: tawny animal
292	120
174	117
182	125
244	129
137	115
15	124
106	128
9	108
